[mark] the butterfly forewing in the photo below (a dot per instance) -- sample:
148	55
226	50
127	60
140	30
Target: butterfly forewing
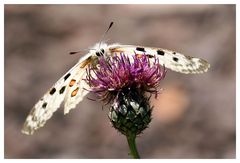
170	59
51	101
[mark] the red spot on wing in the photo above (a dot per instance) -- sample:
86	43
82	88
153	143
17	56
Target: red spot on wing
74	93
138	55
72	82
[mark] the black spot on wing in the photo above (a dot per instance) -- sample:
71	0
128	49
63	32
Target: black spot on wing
160	52
62	89
175	59
174	52
53	90
44	105
150	56
66	76
140	49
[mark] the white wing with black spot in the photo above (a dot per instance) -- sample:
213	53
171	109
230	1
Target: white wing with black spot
51	101
170	59
181	63
76	92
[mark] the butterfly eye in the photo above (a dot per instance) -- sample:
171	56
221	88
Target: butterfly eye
102	51
98	54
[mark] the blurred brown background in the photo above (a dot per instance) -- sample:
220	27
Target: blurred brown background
194	117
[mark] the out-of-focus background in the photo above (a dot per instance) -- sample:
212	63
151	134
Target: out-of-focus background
194	116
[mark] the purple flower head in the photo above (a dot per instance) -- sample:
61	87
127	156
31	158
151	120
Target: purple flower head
120	73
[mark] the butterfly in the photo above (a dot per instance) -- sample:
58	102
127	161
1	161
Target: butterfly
72	88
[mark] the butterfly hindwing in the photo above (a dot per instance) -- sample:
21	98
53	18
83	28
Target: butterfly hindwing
77	89
51	101
170	59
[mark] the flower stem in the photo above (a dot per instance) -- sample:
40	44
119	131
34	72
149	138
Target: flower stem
131	138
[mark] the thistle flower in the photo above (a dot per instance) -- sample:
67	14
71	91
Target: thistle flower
126	83
120	74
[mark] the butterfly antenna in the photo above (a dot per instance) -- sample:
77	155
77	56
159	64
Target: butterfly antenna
81	50
104	34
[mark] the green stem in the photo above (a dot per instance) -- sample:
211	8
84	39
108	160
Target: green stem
132	145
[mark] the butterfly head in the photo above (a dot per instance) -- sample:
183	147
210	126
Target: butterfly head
99	49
